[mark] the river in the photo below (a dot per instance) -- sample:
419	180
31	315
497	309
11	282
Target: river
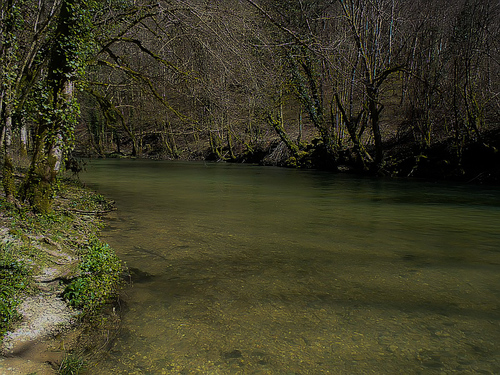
241	269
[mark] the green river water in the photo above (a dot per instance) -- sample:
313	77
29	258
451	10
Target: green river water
242	269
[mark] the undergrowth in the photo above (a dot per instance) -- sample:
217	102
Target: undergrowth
100	276
15	281
31	240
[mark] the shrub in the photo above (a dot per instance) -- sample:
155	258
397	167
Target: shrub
100	277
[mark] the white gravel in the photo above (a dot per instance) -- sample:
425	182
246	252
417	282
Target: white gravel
44	315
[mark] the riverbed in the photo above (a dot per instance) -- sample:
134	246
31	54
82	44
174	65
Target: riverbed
241	269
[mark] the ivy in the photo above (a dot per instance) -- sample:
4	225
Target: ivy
43	62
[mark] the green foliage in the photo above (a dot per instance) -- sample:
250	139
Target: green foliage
14	280
75	42
90	202
100	276
72	364
24	220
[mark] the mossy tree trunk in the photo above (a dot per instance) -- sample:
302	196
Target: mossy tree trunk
50	141
8	60
308	87
277	124
23	145
54	133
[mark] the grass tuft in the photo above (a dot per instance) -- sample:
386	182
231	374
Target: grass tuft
72	364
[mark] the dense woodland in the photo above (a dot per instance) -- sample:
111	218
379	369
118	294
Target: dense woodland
386	87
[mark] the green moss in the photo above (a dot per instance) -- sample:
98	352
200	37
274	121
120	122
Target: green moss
41	198
298	161
39	188
292	162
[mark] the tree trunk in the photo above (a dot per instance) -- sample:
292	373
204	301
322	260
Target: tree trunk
8	166
230	142
375	110
24	142
37	186
277	125
56	128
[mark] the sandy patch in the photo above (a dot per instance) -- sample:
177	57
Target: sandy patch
44	315
29	348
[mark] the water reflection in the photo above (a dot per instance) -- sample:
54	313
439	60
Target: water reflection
242	269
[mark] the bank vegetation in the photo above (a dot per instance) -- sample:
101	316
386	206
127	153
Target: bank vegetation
58	283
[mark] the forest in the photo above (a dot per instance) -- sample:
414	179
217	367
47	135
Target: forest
382	87
241	268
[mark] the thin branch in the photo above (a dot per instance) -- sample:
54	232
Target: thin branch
137	75
279	25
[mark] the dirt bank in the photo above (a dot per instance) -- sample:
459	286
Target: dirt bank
51	248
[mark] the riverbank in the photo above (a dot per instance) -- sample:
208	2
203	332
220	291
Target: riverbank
476	161
56	277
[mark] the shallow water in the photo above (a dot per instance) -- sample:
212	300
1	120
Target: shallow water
257	270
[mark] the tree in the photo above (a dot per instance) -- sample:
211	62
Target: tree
8	59
451	84
58	109
373	27
300	32
25	28
44	55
